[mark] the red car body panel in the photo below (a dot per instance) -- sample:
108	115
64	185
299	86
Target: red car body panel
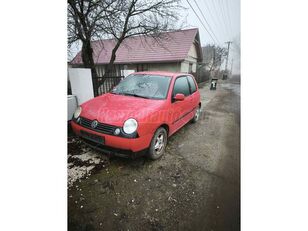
150	113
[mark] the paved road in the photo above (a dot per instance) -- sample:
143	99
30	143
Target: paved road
195	186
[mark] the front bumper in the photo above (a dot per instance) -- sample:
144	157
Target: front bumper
124	145
109	151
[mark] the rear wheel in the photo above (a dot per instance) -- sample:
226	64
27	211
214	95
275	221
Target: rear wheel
158	144
197	115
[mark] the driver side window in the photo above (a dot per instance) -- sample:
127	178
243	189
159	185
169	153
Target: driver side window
181	86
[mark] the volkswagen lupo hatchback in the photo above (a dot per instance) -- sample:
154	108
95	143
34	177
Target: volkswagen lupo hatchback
139	114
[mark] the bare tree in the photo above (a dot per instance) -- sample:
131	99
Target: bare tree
141	17
90	20
213	57
85	18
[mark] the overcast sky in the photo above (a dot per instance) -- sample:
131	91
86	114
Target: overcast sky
221	18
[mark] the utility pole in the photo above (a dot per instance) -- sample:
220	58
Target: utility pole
226	67
231	67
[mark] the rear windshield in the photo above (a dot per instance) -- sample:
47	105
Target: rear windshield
144	86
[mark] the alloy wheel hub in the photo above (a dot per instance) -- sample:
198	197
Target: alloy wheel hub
159	144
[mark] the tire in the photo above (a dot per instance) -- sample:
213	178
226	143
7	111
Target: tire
158	144
197	115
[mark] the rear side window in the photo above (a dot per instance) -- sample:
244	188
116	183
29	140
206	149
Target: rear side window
192	84
181	86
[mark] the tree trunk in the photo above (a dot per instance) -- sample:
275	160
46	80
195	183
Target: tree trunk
109	68
88	62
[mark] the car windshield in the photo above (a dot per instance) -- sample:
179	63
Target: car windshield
144	86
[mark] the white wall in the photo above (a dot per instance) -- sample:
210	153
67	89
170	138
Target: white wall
71	106
191	58
185	66
81	84
193	52
172	67
127	72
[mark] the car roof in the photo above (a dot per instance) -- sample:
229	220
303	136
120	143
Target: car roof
164	73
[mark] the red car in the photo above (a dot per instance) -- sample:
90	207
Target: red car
139	114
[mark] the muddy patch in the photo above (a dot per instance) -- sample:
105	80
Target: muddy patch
82	161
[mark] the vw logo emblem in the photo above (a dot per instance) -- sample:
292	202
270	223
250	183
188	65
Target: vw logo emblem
94	124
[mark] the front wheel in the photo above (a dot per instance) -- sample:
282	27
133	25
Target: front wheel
158	144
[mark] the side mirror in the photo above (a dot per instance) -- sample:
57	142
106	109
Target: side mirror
179	97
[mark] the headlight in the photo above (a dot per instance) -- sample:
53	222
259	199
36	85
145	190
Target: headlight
77	112
130	126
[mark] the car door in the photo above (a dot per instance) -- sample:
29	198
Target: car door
180	109
194	94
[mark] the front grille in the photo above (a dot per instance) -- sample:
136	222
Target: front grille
103	128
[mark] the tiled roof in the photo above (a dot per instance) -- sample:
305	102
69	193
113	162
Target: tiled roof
144	49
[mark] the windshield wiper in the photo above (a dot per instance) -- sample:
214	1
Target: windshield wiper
116	93
135	95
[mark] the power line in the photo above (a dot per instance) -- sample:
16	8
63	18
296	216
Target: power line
206	21
226	17
225	12
208	10
201	21
216	12
228	13
223	16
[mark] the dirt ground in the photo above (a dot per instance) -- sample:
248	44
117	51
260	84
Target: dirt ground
194	186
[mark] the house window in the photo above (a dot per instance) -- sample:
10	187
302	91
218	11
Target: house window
190	68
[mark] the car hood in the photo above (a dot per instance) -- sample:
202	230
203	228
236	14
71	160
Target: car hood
115	109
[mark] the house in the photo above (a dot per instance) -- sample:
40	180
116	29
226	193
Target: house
179	51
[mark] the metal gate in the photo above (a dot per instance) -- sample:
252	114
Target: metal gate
105	84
